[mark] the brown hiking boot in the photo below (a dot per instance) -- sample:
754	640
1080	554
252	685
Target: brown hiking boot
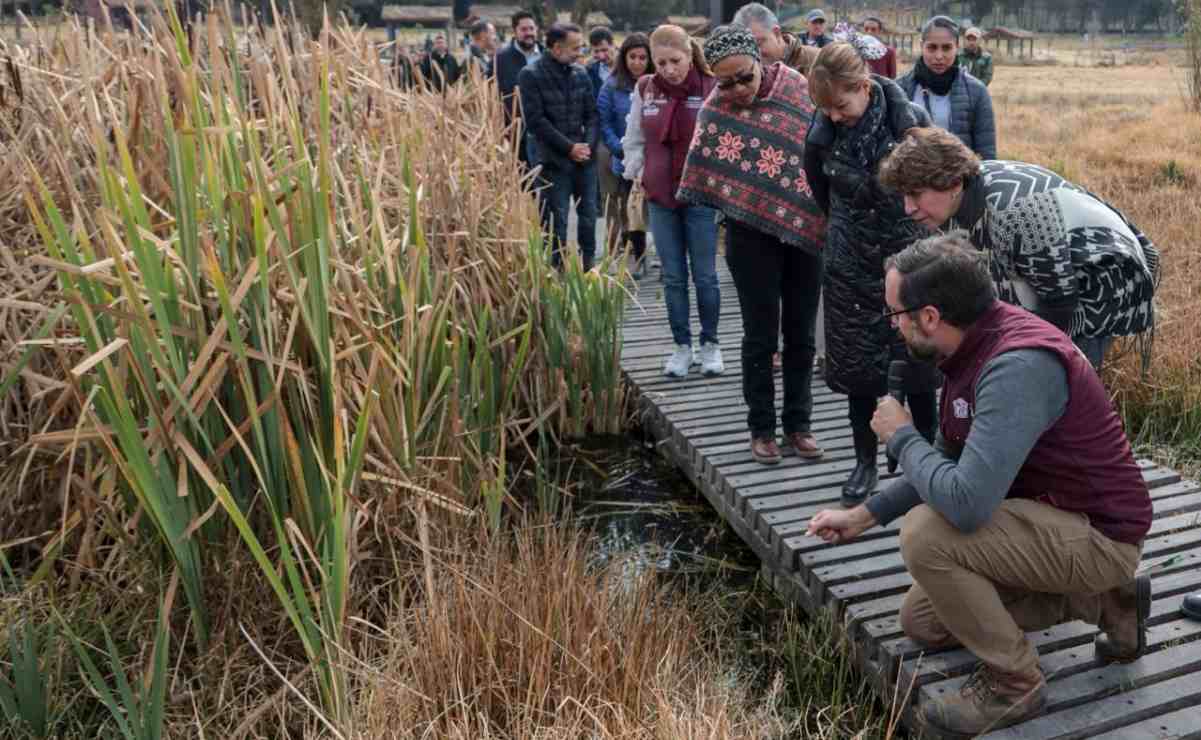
804	445
1124	612
765	450
989	700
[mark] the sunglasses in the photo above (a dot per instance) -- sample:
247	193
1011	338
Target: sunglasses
742	78
819	21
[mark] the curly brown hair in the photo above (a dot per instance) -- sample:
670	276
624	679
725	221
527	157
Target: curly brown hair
928	159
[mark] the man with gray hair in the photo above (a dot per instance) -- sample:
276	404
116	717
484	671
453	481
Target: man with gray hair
774	44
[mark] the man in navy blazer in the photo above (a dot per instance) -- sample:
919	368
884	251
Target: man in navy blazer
521	51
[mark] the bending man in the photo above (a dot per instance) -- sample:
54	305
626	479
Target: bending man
1029	509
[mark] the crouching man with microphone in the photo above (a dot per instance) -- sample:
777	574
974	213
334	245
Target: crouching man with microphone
1028	510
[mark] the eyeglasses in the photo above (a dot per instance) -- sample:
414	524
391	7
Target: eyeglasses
889	315
742	78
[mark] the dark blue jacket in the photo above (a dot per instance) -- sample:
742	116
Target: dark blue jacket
819	41
559	110
971	112
509	63
595	75
612	107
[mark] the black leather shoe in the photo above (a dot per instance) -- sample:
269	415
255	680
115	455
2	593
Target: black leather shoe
1191	606
1125	612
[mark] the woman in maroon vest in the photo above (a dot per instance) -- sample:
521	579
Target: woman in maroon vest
659	129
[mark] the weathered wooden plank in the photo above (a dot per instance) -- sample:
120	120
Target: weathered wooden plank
824	419
1182	724
699	397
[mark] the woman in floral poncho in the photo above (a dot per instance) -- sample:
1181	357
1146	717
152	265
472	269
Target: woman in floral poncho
747	160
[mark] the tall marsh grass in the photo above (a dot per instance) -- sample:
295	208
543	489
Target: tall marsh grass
271	302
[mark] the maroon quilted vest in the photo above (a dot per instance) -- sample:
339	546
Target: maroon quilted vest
662	167
1083	463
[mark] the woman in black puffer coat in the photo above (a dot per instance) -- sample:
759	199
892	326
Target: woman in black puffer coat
860	119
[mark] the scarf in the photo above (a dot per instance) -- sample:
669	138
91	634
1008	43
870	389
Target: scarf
937	84
860	142
749	163
680	121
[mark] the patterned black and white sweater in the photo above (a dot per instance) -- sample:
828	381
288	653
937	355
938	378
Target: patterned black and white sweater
1060	251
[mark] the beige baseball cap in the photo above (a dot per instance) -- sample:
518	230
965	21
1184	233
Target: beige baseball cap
973	31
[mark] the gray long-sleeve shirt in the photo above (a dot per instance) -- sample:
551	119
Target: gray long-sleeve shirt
1019	395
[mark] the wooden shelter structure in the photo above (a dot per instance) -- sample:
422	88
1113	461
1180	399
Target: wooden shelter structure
498	15
1024	39
901	37
697	25
425	16
592	20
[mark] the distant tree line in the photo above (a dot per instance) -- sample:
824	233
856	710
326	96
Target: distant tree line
1079	16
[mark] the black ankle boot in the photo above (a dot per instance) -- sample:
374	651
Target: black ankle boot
864	477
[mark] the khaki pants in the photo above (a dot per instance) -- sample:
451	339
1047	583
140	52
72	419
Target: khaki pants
1030	567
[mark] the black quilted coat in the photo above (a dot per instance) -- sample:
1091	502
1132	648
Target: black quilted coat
867	225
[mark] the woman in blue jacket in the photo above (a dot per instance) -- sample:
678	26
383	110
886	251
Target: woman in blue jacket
613	104
955	100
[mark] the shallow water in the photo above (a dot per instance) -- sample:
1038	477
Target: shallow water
645	512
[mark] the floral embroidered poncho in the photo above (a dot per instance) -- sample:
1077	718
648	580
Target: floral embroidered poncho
749	163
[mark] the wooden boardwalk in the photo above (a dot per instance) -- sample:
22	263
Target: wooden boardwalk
700	424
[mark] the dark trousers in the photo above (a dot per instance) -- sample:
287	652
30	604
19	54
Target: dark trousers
561	185
778	290
922	406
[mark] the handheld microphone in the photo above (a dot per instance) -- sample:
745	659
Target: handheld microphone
896	389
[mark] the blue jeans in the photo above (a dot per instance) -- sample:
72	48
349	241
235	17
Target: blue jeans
683	236
561	185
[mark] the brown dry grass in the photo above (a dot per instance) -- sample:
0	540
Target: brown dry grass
524	638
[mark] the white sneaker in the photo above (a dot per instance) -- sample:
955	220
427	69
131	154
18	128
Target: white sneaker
711	363
677	364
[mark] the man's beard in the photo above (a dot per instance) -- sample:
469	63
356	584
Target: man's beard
526	45
924	352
